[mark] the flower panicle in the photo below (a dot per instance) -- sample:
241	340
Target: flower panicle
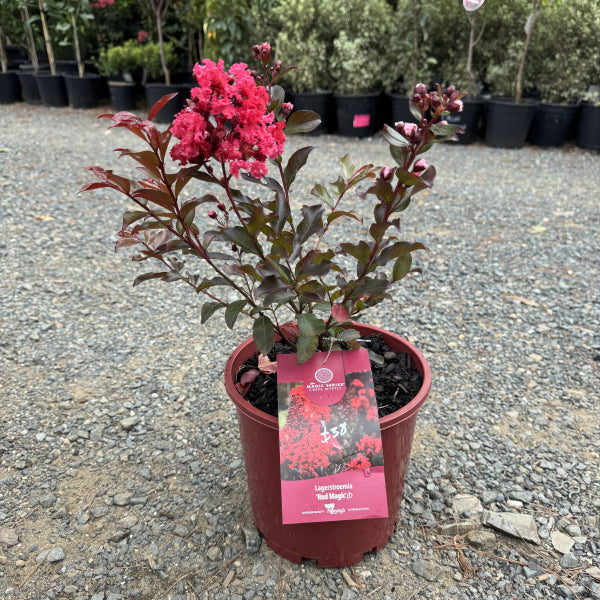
227	118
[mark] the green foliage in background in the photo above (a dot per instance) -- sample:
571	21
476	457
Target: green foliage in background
122	60
563	67
151	64
367	46
228	30
308	31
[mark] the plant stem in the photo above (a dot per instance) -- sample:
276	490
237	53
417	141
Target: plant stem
32	50
80	65
159	12
3	57
533	17
47	38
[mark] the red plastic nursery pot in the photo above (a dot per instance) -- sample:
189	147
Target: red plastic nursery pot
332	544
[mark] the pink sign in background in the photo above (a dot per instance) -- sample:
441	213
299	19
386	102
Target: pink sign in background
361	121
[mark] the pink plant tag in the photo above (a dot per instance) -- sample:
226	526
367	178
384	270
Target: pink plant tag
331	455
361	121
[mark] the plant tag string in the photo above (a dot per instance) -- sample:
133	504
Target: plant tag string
334	339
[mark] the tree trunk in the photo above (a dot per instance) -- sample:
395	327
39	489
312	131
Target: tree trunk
32	51
47	39
531	23
3	57
161	43
80	65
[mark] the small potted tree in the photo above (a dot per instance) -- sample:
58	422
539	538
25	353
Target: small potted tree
10	88
458	62
51	85
588	125
119	64
414	62
307	34
83	89
159	60
154	88
562	68
509	118
274	265
26	72
365	37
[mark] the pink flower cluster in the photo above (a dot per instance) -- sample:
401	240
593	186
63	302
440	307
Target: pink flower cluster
101	3
227	120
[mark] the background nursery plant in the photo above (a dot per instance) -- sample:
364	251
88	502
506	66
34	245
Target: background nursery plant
277	263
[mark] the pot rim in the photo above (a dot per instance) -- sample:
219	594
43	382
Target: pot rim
247	348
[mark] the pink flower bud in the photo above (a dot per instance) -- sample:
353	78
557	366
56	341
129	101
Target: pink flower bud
410	131
420	165
287	108
212	214
420	90
455	106
386	173
262	52
472	4
221	206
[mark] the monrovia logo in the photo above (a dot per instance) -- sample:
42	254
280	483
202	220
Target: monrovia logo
323	375
331	510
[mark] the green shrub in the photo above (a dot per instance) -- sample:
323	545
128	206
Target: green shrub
121	60
367	46
306	41
562	67
228	29
151	64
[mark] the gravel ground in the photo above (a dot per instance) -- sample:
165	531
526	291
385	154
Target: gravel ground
120	467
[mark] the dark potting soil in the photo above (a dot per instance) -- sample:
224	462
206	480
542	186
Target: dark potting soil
396	381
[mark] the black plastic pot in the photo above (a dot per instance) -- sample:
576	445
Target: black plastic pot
399	110
155	91
469	119
83	92
122	95
319	102
52	88
29	88
507	123
553	124
588	127
67	67
356	114
10	88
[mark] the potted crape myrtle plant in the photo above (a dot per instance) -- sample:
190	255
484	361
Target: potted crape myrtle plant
275	265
